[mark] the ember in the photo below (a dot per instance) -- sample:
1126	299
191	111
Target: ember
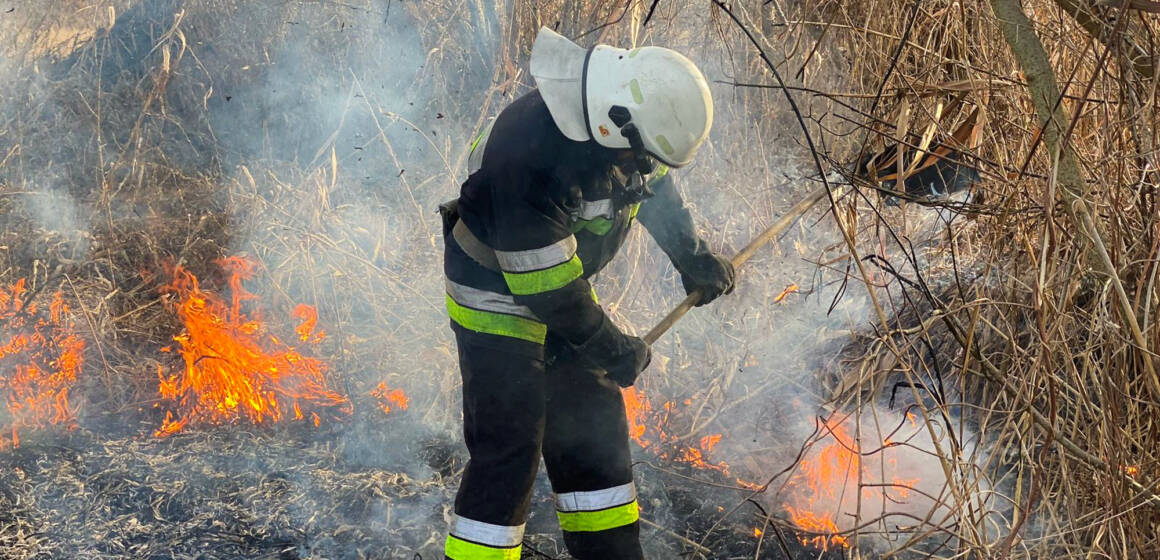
388	398
234	368
39	361
792	288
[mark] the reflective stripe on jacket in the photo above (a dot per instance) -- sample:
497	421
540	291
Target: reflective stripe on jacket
546	206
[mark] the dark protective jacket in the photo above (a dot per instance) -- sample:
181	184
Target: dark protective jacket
548	207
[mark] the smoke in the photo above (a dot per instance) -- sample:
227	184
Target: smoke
55	211
882	474
319	140
759	372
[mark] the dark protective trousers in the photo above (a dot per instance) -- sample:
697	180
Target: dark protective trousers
516	407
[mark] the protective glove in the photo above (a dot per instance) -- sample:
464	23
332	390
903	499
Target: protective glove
622	356
709	272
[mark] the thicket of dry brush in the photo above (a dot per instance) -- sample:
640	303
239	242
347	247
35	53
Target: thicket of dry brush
1044	319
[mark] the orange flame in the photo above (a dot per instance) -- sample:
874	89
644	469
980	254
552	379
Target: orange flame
390	397
647	428
234	369
307	330
825	476
817	523
638	410
826	483
39	362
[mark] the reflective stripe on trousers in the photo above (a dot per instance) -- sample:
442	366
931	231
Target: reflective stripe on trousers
517	406
475	540
597	510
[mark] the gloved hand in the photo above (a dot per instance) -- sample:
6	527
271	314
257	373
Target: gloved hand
625	367
622	356
709	272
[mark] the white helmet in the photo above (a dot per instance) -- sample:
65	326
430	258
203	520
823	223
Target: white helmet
666	96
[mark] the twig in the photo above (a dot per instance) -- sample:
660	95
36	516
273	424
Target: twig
683	540
96	338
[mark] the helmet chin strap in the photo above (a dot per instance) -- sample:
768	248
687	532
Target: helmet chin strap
622	118
635	189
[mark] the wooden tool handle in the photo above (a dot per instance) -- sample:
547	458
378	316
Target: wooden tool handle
739	259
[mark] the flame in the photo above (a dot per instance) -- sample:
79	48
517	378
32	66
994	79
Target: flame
817	523
390	397
825	476
638	410
39	362
234	369
826	483
646	427
758	532
307	330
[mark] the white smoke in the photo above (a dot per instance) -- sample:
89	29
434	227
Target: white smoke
882	475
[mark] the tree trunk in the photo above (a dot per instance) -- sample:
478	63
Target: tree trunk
1101	30
1041	81
1054	122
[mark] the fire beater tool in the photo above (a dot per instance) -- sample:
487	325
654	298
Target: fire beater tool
771	233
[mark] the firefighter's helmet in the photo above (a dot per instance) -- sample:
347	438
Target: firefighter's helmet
595	93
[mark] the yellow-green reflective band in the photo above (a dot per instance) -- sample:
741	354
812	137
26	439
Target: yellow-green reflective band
540	281
658	174
598	226
601	225
637	95
475	155
592	209
603	520
664	144
497	323
459	549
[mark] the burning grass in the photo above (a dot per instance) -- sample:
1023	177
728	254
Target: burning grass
234	368
860	470
649	428
390	399
40	357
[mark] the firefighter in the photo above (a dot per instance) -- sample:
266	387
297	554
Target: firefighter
556	182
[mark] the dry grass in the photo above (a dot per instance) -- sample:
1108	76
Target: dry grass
1019	331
